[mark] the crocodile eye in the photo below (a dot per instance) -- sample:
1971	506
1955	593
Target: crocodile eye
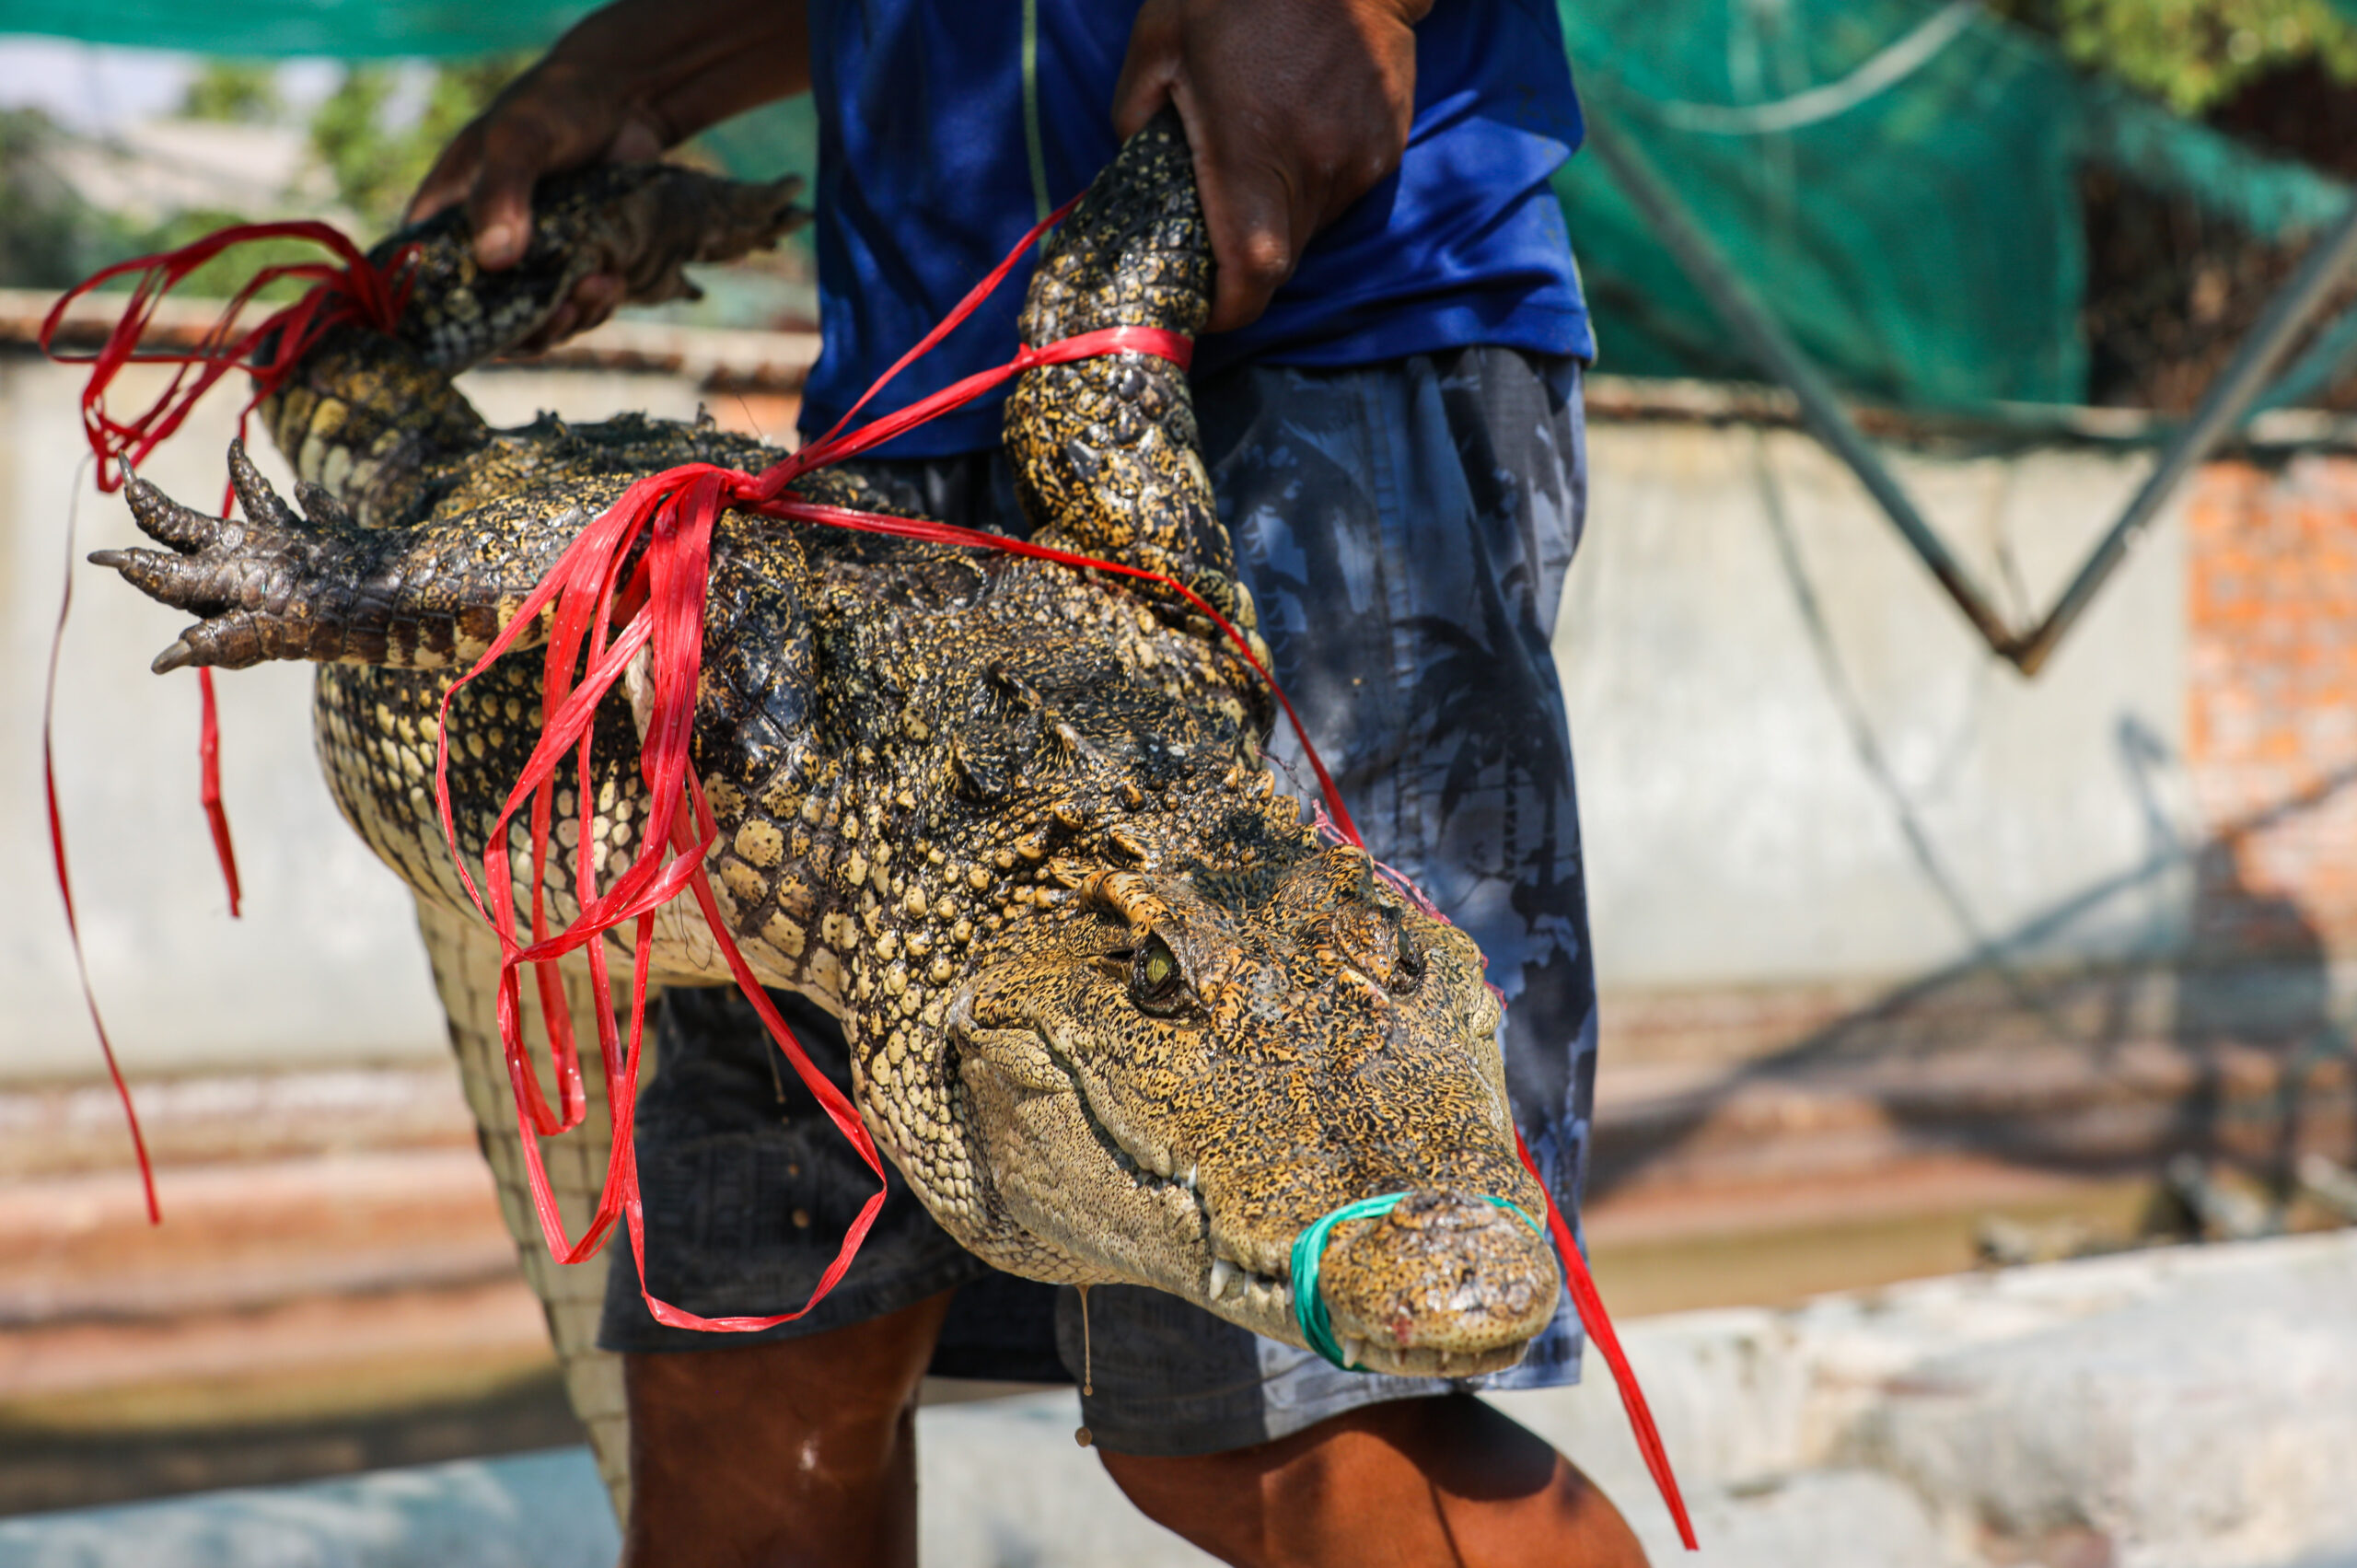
1157	983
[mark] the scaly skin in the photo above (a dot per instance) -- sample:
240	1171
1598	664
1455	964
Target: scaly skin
1117	1011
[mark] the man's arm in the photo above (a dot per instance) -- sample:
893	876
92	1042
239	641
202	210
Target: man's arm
627	82
1295	109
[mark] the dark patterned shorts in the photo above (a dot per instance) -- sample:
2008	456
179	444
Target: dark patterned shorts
1405	529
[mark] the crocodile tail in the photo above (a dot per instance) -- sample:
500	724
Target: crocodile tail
363	418
1135	253
642	223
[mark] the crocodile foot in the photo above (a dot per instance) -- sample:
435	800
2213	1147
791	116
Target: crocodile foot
641	222
253	582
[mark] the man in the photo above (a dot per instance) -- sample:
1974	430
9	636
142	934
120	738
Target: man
1387	390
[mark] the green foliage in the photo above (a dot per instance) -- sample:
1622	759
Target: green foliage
244	92
349	137
377	163
50	237
2194	53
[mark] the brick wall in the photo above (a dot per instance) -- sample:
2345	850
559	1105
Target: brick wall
2272	707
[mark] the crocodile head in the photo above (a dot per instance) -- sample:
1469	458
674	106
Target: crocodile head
1183	1072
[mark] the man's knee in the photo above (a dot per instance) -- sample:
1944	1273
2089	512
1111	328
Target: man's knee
1444	1481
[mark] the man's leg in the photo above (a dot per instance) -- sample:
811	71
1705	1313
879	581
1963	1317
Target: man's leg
1415	1483
782	1454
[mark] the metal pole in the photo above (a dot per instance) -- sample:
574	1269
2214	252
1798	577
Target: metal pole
2220	414
1782	360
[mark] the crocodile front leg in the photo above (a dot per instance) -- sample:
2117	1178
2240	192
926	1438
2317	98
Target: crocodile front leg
371	418
317	585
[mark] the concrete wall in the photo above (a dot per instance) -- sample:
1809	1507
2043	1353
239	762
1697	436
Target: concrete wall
2189	1408
1796	760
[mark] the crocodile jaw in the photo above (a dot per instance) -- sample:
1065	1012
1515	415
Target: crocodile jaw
1445	1285
1188	1152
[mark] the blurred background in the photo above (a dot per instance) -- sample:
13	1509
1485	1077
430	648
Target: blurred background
2034	992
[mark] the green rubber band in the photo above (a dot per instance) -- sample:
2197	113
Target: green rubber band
1309	1248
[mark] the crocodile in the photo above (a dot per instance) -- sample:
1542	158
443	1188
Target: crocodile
1117	1009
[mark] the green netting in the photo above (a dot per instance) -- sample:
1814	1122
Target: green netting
2266	196
1917	236
350	29
1897	179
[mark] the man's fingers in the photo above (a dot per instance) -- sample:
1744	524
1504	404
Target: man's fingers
502	216
1258	219
451	178
1295	109
636	142
593	299
1148	70
1256	253
554	330
517	152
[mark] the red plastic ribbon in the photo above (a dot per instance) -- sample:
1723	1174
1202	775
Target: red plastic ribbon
675	512
65	881
348	289
351	290
1589	1304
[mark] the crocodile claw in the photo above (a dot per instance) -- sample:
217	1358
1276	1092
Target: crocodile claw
249	580
254	495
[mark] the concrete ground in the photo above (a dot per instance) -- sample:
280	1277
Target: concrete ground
333	1291
2189	1408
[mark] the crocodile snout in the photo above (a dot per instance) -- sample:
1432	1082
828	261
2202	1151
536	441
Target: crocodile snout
1447	1284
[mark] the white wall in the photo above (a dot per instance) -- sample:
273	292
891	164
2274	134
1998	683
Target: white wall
1766	800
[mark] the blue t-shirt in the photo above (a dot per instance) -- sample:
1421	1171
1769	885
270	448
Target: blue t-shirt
926	180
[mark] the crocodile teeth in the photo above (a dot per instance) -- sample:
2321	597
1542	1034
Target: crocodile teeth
1225	1276
1353	1350
1188	1181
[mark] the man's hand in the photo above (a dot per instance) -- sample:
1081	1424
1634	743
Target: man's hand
555	117
628	82
1295	109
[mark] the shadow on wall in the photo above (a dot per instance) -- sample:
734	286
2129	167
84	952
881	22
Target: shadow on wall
2222	1042
2227	1047
2259	983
